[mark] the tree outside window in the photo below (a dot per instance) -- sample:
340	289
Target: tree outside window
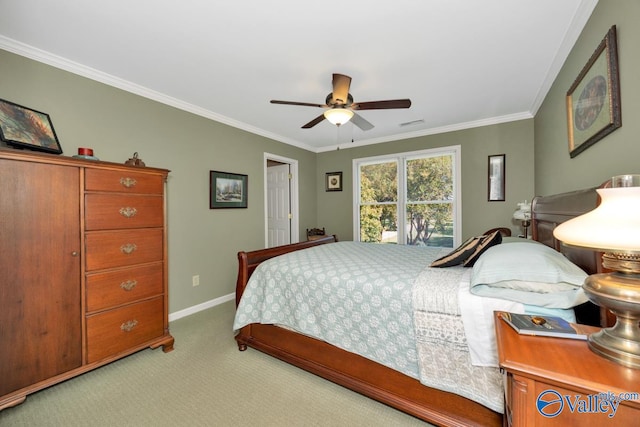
407	199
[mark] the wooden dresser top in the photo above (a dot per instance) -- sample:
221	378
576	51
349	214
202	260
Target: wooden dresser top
562	361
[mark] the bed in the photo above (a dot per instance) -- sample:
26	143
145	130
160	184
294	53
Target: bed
386	374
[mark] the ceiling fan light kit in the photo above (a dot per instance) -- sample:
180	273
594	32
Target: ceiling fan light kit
338	116
341	108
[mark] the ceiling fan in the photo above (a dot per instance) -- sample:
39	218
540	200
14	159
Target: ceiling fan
341	108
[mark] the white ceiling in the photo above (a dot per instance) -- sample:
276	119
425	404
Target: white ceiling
463	63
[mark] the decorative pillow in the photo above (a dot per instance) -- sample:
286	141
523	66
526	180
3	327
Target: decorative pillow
459	254
485	243
528	273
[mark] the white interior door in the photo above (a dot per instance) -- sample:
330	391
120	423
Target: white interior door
278	205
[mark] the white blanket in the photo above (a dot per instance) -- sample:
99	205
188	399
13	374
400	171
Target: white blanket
478	319
443	349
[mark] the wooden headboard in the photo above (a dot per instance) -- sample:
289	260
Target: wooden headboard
547	212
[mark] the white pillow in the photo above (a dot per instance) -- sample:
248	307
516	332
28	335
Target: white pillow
513	239
529	286
528	273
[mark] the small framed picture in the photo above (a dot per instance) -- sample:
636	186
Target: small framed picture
496	178
333	181
22	127
227	190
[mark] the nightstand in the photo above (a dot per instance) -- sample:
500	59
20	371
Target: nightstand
559	381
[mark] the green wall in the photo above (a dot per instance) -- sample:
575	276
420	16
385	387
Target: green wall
514	139
116	124
617	153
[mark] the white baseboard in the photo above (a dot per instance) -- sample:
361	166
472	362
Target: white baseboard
205	305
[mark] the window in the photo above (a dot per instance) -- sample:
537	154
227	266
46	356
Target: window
408	198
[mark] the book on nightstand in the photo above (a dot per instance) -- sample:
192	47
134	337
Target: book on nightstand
547	326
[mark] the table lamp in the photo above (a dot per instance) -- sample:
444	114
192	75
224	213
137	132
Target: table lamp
613	228
524	215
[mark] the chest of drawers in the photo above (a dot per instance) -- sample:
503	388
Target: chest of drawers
124	260
84	267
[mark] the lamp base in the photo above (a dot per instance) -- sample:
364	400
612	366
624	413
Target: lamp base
615	348
525	224
620	293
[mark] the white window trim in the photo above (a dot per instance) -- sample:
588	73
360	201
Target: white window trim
401	158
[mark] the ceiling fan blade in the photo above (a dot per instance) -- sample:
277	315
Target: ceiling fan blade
303	104
341	84
382	105
314	122
361	122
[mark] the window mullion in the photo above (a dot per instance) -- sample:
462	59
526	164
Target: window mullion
402	200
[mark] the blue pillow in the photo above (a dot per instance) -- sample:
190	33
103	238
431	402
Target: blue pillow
529	273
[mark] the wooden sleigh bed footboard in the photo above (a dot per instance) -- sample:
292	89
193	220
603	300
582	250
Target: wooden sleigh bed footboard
351	370
367	377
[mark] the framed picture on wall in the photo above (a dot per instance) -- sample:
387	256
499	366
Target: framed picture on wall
23	127
333	181
496	184
227	190
593	100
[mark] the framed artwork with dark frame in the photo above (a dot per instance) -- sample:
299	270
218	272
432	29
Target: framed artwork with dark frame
227	190
496	182
22	127
593	100
333	181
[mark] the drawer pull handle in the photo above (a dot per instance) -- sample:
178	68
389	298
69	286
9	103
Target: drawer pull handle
129	285
128	182
128	212
128	248
128	325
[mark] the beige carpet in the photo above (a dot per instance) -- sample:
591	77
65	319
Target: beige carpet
205	381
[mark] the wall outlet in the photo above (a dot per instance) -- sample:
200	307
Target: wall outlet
195	280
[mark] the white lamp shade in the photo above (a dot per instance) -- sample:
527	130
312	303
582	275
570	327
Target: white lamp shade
338	116
613	226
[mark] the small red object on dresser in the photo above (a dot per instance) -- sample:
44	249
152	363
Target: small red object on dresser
85	151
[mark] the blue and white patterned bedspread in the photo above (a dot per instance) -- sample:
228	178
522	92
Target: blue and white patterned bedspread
362	304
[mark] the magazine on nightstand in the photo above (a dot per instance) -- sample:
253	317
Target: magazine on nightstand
548	326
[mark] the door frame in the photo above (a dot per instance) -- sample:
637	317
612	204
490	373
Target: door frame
293	196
